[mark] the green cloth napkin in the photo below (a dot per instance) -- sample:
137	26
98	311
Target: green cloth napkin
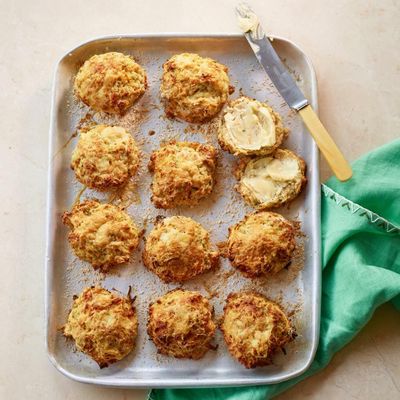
360	226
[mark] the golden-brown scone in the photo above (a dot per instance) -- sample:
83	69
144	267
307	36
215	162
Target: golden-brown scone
194	88
250	127
262	243
270	181
181	324
254	328
178	249
101	234
103	325
183	173
105	157
110	82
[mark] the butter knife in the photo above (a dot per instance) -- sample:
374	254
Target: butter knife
283	81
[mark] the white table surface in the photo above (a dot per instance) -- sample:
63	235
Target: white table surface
354	46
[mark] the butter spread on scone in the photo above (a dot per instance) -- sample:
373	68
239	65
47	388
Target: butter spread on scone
271	181
250	127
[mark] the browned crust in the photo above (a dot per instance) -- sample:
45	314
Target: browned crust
172	186
171	261
121	229
253	304
171	341
180	83
261	252
126	82
124	162
89	332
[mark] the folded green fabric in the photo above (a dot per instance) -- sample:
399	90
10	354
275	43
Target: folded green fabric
360	225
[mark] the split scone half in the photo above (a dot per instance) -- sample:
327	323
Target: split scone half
184	173
178	249
101	234
103	325
105	157
267	182
249	127
110	82
261	244
194	88
181	324
254	328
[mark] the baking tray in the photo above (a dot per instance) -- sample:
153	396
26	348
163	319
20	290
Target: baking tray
297	288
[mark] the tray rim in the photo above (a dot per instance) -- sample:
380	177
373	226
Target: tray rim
316	239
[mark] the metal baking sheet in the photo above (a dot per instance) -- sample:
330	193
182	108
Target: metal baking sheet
297	288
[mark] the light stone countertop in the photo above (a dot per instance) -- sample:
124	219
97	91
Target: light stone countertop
354	46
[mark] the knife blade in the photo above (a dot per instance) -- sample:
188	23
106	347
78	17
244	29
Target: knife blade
285	84
269	59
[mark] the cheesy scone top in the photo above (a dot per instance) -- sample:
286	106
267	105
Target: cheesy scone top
101	234
105	157
194	88
254	328
178	249
110	82
103	325
184	173
262	243
181	324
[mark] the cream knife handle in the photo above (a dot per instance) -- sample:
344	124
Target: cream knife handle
340	167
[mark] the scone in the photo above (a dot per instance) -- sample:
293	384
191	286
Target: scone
181	324
105	157
270	181
103	325
250	127
194	88
262	243
110	82
101	234
183	174
254	328
178	249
